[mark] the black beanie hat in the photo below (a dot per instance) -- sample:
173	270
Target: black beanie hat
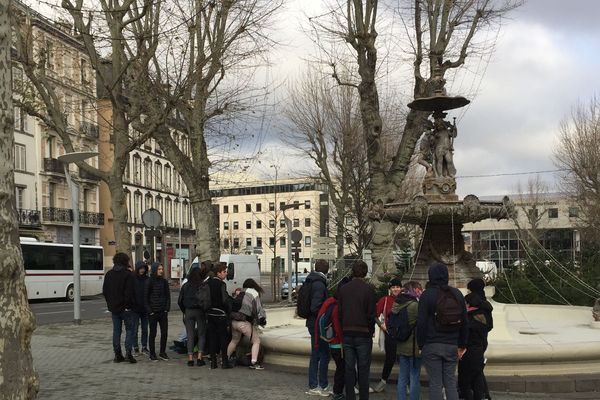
395	282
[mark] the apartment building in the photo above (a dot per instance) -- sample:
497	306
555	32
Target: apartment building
43	198
150	181
554	218
250	219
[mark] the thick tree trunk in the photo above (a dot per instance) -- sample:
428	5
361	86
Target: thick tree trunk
206	241
118	205
17	377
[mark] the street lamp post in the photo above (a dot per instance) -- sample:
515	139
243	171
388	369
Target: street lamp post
67	159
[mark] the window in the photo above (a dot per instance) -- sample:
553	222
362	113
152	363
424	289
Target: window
296	223
17	115
236	243
49	55
271	223
307	204
51	194
225	209
281	204
248	224
307	222
258	242
258	207
137	202
83	71
271	206
282	242
50	141
226	243
236	208
282	223
248	242
225	226
533	213
553	213
148	173
20	196
248	207
573	212
258	224
236	225
20	157
307	241
348	220
271	242
158	175
296	204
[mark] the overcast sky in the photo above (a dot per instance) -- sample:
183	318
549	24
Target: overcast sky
547	59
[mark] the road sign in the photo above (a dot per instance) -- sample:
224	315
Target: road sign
296	235
152	218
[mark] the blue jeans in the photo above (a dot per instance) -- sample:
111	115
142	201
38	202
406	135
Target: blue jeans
440	362
357	355
118	319
141	317
410	371
319	361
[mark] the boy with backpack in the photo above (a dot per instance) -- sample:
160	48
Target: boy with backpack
441	332
401	327
329	329
311	296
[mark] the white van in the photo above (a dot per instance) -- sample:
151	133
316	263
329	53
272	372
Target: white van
239	268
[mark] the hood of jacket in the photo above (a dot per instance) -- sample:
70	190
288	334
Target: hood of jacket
438	274
316	276
404	298
139	265
154	269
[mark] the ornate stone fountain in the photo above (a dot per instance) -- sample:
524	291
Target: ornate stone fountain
439	212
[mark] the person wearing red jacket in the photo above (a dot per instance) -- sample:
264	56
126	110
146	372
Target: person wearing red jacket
384	308
335	345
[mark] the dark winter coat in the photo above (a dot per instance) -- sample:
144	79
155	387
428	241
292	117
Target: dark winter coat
426	326
318	295
188	297
219	298
139	287
158	295
118	289
357	300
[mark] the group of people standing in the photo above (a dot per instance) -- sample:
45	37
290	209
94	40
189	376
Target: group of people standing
436	328
214	320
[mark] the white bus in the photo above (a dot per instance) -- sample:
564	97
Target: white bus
49	270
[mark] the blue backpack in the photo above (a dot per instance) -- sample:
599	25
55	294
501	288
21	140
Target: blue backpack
398	326
325	325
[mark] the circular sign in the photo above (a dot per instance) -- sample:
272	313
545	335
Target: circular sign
152	218
296	235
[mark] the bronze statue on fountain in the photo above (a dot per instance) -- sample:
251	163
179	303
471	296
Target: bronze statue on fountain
439	212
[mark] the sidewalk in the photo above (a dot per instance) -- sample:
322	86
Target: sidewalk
75	362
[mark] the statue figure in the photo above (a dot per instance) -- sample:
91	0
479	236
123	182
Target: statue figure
443	133
425	157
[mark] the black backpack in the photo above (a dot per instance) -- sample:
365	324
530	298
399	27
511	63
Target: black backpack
203	295
449	311
304	300
398	326
237	301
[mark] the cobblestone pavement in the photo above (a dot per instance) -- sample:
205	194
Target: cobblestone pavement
75	362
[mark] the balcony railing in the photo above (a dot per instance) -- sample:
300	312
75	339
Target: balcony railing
28	218
83	174
65	215
90	130
53	165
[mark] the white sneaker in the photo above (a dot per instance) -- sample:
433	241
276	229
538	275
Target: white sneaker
379	386
328	391
356	391
315	392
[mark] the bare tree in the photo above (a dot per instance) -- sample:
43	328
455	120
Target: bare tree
441	37
131	33
578	154
17	377
219	43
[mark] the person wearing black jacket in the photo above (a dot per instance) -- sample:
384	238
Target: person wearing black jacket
470	366
441	347
158	305
118	292
217	316
356	302
194	316
319	354
139	307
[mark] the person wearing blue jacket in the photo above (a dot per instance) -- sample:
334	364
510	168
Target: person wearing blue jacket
441	348
319	354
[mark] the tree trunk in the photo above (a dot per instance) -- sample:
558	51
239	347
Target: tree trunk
206	240
17	377
118	205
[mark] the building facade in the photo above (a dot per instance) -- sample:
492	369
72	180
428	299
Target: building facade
547	221
250	219
43	197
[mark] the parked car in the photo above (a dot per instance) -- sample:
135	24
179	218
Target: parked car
295	286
